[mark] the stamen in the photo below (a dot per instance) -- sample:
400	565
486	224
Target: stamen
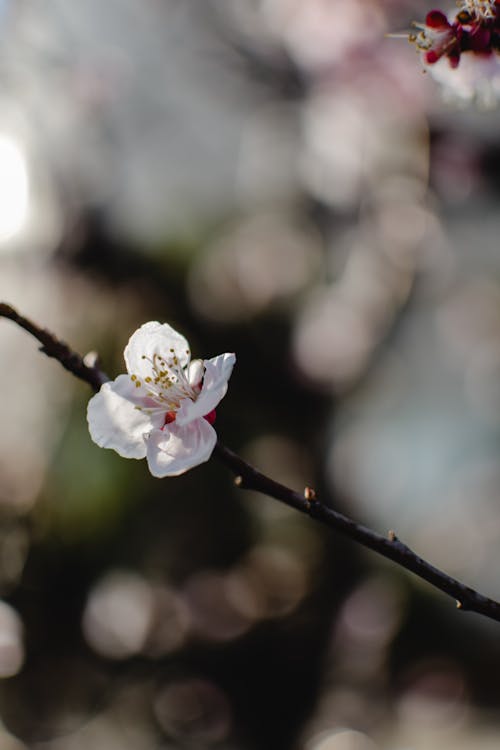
167	377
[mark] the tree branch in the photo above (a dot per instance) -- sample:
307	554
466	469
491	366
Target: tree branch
54	347
248	477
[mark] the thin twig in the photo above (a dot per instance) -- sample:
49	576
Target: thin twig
248	477
54	347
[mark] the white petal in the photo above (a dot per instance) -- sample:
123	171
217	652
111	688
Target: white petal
176	449
195	372
217	373
114	422
154	338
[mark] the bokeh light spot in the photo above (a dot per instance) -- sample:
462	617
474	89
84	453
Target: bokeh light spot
118	614
14	191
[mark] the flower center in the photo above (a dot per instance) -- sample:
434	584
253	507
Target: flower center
479	9
167	385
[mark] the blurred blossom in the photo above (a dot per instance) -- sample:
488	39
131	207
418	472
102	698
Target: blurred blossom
369	620
333	340
342	704
13	189
170	623
321	33
11	641
339	326
477	79
118	614
353	141
214	613
456	167
268	582
468	319
261	262
435	696
268	169
129	108
357	662
338	144
342	144
342	739
119	723
371	615
461	51
277	578
193	711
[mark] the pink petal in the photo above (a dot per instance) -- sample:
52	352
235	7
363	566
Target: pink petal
176	449
154	338
217	373
115	422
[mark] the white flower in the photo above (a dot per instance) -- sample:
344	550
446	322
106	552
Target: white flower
481	9
477	79
163	409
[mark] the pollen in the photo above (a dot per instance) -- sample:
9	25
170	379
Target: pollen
481	9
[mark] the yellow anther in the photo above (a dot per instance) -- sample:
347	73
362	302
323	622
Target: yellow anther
148	379
133	377
137	383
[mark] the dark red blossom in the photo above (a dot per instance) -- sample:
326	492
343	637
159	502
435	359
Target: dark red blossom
475	29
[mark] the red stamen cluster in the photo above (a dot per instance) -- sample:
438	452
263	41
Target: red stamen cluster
476	29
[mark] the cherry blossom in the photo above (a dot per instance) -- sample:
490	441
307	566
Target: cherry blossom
461	51
438	37
164	408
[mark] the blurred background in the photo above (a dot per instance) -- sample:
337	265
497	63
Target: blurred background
279	179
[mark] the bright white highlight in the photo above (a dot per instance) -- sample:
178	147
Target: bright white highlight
14	188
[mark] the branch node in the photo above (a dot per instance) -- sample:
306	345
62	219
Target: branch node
310	494
91	359
238	481
460	604
391	535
